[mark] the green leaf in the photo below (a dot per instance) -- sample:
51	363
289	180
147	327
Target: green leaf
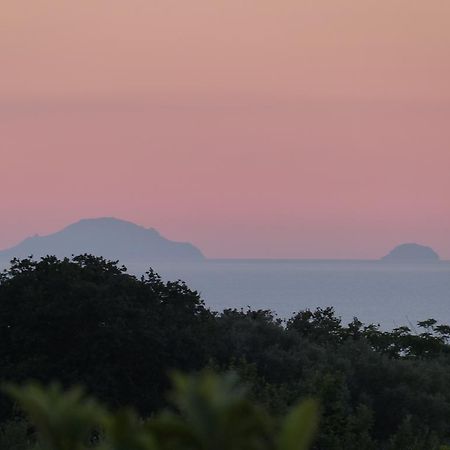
64	419
299	427
125	431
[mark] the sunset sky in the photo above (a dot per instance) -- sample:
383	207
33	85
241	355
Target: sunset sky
251	128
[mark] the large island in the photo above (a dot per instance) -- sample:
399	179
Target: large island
108	237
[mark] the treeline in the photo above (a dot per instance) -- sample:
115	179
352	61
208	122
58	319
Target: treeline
86	321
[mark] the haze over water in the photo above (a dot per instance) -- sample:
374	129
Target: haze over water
391	294
409	284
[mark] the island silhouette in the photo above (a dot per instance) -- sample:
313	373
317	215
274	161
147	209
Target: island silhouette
411	252
128	242
108	237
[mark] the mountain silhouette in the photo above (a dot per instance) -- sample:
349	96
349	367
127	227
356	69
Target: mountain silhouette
412	252
108	237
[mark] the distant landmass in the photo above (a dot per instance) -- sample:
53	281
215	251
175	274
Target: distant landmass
108	237
412	252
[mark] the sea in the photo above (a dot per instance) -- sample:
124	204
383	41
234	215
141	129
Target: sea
388	294
378	292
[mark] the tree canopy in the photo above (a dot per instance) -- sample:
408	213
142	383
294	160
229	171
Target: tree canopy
86	321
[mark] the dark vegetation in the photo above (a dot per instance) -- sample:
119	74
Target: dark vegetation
85	321
209	412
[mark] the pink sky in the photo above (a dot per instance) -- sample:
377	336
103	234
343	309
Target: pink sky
250	128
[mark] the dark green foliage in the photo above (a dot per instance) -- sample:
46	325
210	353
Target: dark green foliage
64	421
215	414
86	321
212	413
15	435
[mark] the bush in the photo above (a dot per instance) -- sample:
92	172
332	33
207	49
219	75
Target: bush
212	413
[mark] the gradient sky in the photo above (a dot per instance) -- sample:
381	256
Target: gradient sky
251	128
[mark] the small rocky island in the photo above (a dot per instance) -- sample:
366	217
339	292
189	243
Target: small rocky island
411	253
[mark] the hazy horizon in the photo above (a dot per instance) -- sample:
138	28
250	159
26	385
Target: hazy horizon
251	129
105	221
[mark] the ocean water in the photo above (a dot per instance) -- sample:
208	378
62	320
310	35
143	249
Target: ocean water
390	294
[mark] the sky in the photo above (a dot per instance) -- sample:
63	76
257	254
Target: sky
251	128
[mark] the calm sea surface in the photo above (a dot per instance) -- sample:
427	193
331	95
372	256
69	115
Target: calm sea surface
391	294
